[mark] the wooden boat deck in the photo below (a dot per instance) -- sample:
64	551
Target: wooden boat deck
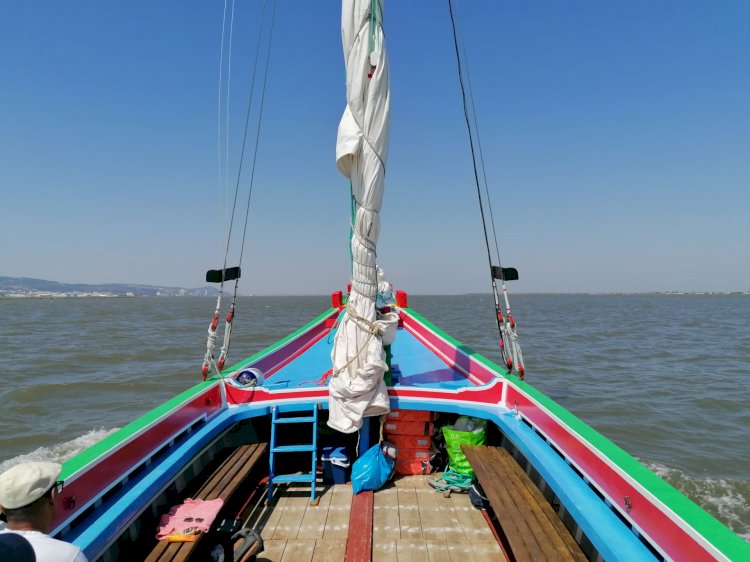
411	522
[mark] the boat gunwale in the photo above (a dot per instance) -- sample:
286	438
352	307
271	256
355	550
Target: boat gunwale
706	531
696	524
150	423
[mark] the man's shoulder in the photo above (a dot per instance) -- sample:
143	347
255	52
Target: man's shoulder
48	549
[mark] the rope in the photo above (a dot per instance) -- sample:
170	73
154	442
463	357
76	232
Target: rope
471	134
453	480
208	361
479	143
223	187
208	358
226	118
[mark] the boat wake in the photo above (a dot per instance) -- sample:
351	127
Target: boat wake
60	452
727	499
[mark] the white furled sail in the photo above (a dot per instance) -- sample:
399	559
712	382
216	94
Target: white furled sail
357	388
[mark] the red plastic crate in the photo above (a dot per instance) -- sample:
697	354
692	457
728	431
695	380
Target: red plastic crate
411	415
397	427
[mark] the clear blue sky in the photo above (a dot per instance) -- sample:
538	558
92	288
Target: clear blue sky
616	136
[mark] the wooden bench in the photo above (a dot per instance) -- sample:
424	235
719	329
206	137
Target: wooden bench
532	528
222	483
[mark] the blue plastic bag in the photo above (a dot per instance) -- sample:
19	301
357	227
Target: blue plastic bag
372	470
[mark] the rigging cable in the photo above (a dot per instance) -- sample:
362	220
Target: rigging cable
479	140
515	350
510	348
230	315
208	361
208	358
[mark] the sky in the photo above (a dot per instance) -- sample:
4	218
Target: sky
615	134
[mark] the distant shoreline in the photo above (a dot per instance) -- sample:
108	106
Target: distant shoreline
47	296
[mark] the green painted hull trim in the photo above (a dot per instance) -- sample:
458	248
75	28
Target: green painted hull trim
87	456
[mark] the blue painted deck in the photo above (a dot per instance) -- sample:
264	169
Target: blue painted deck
412	363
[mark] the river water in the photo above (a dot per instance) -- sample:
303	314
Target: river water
663	376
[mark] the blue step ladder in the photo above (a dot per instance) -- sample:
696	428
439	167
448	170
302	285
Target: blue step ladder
312	448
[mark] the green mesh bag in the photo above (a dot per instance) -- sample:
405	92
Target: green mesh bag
454	439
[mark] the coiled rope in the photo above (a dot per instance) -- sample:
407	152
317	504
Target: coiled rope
452	480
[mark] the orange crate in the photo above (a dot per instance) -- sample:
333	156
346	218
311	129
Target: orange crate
411	415
414	461
393	427
410	441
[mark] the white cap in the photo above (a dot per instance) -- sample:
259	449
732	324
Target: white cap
27	482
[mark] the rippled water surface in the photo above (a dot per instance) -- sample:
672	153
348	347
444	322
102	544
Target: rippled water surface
663	376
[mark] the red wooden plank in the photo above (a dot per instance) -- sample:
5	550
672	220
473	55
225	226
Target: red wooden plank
359	539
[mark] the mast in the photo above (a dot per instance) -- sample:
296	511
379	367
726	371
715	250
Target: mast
357	388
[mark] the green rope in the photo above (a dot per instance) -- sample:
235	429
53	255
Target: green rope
372	24
454	479
353	203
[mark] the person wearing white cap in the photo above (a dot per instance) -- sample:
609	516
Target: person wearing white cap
28	493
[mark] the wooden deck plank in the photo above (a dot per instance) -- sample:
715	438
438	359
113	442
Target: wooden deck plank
429	515
273	551
425	514
412	550
471	519
437	551
272	515
408	514
299	550
385	525
291	518
488	550
449	518
413	481
337	523
329	550
461	551
314	521
384	550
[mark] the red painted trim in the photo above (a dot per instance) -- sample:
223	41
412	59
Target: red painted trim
359	538
279	357
490	394
259	395
491	524
299	351
449	353
675	542
90	483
